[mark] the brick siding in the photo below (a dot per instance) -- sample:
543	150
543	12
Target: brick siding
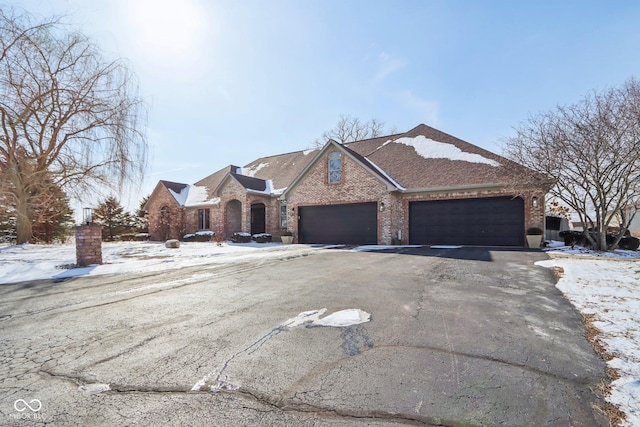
357	185
169	226
88	244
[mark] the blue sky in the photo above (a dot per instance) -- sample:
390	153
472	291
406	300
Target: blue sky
228	82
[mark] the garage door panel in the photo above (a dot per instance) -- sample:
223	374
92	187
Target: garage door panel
354	224
493	221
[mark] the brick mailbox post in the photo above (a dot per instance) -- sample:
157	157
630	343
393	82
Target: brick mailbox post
88	244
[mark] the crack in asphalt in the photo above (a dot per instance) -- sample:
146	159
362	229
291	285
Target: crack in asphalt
287	405
223	384
578	380
334	363
77	379
284	405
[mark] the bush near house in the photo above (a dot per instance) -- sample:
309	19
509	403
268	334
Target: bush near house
573	238
200	236
629	242
241	237
262	238
134	237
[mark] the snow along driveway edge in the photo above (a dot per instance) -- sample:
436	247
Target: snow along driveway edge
607	291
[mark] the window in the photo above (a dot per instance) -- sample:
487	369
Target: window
203	219
335	168
283	216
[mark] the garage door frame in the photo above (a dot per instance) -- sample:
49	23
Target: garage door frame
480	221
348	223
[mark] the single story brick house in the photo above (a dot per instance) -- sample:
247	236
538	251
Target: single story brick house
419	187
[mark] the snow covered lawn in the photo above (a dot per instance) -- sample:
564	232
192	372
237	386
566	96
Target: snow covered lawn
606	289
34	262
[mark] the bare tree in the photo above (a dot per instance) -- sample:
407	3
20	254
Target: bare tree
66	114
349	129
592	151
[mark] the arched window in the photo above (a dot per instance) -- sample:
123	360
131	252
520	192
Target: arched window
335	168
164	212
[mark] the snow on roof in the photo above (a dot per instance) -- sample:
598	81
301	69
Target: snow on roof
252	171
194	195
180	197
268	190
430	149
279	191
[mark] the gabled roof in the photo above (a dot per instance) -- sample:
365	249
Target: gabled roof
176	187
250	183
365	163
281	169
426	158
422	159
166	185
187	195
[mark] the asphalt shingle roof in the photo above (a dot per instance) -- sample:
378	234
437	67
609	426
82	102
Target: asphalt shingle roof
399	162
176	187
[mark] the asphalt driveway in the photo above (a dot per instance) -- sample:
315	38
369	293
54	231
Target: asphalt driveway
469	336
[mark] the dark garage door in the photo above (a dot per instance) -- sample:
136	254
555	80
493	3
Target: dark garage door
494	221
352	224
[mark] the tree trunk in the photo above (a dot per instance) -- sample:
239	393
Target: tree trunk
24	214
24	231
602	240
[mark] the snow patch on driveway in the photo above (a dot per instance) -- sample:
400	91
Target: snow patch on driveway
94	388
339	319
303	318
343	318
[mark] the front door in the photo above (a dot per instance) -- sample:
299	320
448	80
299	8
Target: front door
258	222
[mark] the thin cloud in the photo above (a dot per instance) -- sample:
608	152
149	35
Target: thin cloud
387	65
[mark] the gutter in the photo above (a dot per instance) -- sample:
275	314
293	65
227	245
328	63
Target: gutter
455	188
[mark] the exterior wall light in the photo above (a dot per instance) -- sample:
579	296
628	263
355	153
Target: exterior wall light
534	201
381	206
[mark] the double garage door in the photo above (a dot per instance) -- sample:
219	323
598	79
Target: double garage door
351	224
494	221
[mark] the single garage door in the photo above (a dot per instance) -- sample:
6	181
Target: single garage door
494	221
351	224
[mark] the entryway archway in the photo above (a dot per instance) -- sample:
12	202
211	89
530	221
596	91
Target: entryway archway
233	215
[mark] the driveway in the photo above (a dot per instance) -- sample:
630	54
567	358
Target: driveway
468	336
